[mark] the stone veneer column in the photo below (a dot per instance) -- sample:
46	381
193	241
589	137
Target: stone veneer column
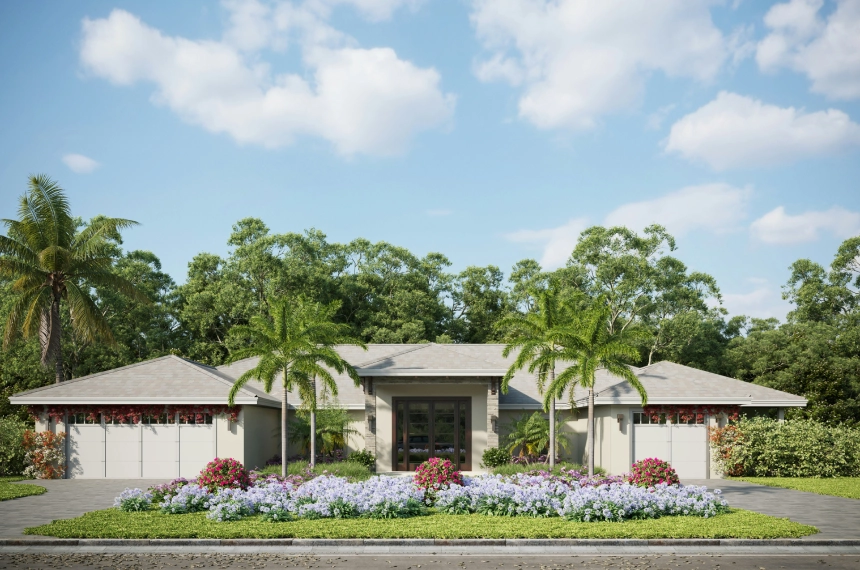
493	412
369	416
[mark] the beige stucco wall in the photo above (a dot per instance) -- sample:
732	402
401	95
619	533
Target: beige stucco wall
260	429
355	442
229	437
385	393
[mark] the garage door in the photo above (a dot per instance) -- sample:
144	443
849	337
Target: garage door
152	450
684	446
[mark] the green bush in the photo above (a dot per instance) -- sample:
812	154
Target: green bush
12	450
494	457
352	470
363	457
514	468
763	447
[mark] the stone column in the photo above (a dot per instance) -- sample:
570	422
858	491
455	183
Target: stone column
493	412
369	416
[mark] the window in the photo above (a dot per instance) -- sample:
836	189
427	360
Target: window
84	419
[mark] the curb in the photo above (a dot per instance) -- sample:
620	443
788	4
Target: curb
361	542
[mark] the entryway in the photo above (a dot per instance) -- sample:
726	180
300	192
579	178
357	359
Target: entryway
432	427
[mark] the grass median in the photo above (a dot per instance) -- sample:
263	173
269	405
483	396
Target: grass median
11	490
848	487
113	523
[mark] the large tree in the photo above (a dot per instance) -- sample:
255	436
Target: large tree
51	264
296	344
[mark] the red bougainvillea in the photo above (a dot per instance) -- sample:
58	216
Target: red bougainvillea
688	413
436	473
135	414
45	458
221	473
652	471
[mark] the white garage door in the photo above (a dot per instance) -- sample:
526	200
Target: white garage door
684	446
146	450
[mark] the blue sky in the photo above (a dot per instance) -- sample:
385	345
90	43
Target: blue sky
490	131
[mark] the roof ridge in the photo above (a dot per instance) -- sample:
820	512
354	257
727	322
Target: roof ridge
413	348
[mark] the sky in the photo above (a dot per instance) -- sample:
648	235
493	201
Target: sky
487	130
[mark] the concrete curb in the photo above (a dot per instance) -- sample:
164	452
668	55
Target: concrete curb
421	542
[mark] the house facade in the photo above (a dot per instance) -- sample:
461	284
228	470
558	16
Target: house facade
168	417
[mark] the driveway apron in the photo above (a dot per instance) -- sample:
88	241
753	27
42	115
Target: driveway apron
65	499
835	517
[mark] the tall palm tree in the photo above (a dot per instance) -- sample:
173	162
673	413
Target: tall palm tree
297	344
594	348
52	264
537	336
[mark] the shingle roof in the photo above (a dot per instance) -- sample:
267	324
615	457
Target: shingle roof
175	380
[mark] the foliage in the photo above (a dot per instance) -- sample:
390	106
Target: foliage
221	473
435	474
158	493
763	447
494	457
11	490
351	470
529	434
538	468
133	500
45	456
332	429
652	472
363	457
848	487
190	498
12	452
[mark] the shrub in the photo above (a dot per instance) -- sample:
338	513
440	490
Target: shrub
223	473
363	457
133	500
12	450
166	490
494	457
764	447
45	455
188	499
652	472
435	474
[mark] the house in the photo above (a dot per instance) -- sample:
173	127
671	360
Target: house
168	417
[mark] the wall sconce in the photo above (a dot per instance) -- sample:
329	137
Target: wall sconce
620	421
493	386
494	424
371	420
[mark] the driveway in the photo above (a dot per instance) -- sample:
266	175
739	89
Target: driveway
835	517
65	499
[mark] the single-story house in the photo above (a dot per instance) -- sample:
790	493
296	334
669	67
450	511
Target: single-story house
168	417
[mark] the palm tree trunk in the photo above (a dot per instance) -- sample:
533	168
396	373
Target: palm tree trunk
284	428
589	443
55	339
314	426
552	434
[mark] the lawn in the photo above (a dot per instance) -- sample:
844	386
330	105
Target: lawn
848	487
8	490
113	523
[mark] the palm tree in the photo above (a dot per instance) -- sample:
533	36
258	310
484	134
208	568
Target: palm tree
594	348
297	343
530	434
537	335
51	263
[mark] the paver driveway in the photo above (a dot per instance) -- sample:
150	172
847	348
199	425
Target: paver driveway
65	499
835	517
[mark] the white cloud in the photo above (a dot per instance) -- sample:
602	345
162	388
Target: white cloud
762	302
826	51
735	131
557	243
717	208
360	100
777	227
578	60
79	163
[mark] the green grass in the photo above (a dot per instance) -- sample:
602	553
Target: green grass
511	469
113	523
8	490
848	487
349	469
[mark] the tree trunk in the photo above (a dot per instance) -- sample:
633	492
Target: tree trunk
55	342
552	434
589	442
314	426
284	428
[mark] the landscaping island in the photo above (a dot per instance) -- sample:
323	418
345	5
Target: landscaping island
11	490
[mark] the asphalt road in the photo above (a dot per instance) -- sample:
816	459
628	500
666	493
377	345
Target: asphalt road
768	561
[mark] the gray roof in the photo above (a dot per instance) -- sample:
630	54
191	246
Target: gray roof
175	380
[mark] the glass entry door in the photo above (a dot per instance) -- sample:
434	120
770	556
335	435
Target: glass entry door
425	428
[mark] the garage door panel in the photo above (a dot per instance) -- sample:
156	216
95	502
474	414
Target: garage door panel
160	451
690	451
651	441
122	448
86	452
196	448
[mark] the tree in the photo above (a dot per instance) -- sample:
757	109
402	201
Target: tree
530	433
592	347
478	302
537	337
332	429
298	343
52	263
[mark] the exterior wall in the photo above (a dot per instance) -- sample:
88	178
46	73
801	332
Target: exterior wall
259	429
230	437
384	392
355	442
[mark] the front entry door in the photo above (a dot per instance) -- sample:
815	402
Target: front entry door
425	428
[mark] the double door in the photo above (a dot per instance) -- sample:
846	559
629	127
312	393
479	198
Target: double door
432	427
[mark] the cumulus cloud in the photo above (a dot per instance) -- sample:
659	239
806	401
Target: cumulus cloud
762	302
577	60
80	164
363	101
779	228
735	131
826	50
556	243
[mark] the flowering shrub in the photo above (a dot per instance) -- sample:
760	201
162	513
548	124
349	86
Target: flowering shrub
220	473
435	474
166	490
495	456
133	500
651	472
188	499
134	414
378	497
45	457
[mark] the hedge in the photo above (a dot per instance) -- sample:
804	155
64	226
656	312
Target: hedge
11	447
